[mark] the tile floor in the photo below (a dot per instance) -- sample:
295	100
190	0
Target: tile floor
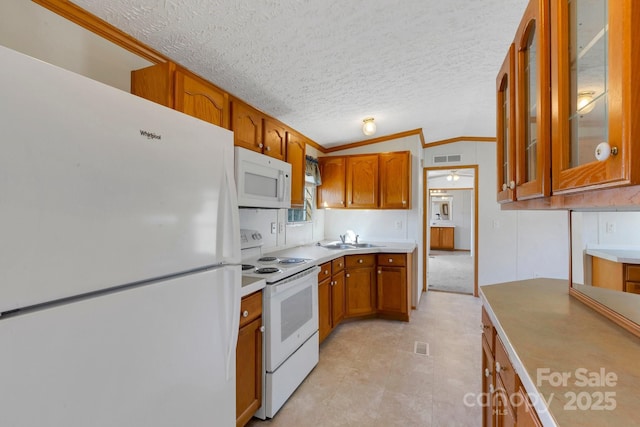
369	374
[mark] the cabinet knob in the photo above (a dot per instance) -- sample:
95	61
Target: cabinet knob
491	389
326	272
390	259
268	148
404	202
347	275
262	328
379	271
487	372
500	368
261	145
604	150
360	261
245	313
510	186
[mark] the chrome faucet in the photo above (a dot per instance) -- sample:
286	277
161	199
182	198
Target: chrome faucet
343	237
357	235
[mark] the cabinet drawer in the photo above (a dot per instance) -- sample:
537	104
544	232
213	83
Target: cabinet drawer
355	261
632	273
632	287
399	260
337	265
504	368
325	271
250	308
487	330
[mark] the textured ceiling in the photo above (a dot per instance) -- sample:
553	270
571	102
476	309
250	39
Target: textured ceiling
323	66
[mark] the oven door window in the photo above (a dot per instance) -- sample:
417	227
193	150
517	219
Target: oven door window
295	312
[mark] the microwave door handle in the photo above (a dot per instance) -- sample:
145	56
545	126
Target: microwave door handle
281	186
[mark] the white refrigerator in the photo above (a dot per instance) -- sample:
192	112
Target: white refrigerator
119	257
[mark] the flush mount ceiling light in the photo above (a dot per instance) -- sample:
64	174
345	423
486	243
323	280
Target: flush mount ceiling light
453	176
585	102
369	127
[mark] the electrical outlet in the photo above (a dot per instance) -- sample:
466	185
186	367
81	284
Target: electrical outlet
611	227
281	227
496	223
398	225
273	228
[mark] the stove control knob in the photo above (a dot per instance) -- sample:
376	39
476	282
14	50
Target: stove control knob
245	313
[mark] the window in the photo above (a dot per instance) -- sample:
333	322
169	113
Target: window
304	214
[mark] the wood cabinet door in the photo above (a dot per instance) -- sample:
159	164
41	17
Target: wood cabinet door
324	308
505	128
447	238
362	181
525	412
361	292
488	386
392	290
595	94
434	240
533	148
338	293
395	180
296	145
248	371
332	192
505	416
274	139
198	98
246	124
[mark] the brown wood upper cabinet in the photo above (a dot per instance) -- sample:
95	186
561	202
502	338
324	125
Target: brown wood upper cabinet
174	87
595	71
362	181
367	181
296	145
533	149
395	180
246	124
506	129
274	137
332	192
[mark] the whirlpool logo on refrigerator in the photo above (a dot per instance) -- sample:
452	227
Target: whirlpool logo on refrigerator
150	135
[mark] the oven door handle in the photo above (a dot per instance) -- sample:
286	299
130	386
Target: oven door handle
294	280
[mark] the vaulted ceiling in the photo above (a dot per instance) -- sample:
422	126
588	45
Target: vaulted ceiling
321	67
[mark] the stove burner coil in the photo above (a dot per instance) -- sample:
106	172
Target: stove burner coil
268	270
247	267
267	259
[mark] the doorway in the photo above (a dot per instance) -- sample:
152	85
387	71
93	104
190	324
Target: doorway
450	224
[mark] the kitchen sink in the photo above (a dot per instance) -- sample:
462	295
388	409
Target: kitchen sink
339	246
365	245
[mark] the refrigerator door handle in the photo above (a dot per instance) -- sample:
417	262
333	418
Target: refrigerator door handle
229	218
232	282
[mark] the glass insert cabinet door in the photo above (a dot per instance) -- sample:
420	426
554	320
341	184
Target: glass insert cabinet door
594	97
505	114
532	103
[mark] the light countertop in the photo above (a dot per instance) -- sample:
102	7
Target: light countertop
251	285
549	333
443	225
319	254
627	256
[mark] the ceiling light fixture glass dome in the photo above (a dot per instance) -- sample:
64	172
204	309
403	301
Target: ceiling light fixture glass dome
369	127
585	102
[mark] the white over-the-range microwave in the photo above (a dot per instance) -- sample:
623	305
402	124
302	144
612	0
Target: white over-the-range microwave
262	181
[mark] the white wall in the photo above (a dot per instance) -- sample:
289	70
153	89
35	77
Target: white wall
612	230
512	245
38	32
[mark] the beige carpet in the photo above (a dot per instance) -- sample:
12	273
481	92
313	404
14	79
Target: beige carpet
450	271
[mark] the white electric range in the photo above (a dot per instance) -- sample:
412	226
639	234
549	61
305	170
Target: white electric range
290	317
